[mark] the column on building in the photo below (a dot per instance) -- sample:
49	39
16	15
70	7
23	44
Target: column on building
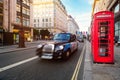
1	22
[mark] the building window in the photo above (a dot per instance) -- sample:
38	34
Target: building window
34	20
42	20
116	8
116	33
18	8
1	10
38	20
24	1
28	22
28	12
49	19
46	20
117	29
24	11
18	20
28	2
116	26
24	22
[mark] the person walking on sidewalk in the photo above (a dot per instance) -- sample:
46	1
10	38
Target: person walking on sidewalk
116	40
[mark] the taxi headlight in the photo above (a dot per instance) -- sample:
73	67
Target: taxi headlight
59	48
39	46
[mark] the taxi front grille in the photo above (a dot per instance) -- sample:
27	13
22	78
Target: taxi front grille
48	48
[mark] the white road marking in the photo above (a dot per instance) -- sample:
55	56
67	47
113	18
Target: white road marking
17	64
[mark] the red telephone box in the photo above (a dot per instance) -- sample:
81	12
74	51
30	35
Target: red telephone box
102	37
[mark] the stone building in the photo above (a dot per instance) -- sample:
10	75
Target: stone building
50	15
11	20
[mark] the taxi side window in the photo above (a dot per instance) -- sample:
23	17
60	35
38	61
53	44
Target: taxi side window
73	38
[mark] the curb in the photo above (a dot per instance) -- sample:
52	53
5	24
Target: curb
13	50
87	74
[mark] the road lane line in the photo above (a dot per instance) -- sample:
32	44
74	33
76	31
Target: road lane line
17	64
75	74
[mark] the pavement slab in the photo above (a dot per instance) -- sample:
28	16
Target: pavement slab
101	71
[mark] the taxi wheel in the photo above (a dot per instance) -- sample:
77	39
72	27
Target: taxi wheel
76	49
66	55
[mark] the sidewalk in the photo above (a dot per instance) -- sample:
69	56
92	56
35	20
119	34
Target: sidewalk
94	71
11	48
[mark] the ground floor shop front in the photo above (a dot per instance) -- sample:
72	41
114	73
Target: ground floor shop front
28	34
10	38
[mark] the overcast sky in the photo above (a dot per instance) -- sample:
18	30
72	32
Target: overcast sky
80	10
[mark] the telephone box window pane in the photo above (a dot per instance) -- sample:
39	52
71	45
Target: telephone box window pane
103	29
103	52
116	26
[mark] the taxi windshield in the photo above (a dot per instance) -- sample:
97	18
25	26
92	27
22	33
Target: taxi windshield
62	36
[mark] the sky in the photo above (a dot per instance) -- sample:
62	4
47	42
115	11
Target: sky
80	10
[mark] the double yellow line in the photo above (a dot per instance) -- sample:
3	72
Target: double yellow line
75	74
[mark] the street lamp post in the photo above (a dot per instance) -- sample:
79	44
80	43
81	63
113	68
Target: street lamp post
21	32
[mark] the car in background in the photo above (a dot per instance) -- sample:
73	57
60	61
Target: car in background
80	38
61	47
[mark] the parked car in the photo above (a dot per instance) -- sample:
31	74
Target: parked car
61	47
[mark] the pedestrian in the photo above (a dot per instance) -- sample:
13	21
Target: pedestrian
116	39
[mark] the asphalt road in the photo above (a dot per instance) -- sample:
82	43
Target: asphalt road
24	65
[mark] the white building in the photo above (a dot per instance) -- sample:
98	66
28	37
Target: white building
50	14
72	25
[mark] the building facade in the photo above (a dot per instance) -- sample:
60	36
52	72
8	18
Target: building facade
11	19
50	15
72	25
115	7
109	5
95	7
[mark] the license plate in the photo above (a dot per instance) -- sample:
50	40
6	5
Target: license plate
47	56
